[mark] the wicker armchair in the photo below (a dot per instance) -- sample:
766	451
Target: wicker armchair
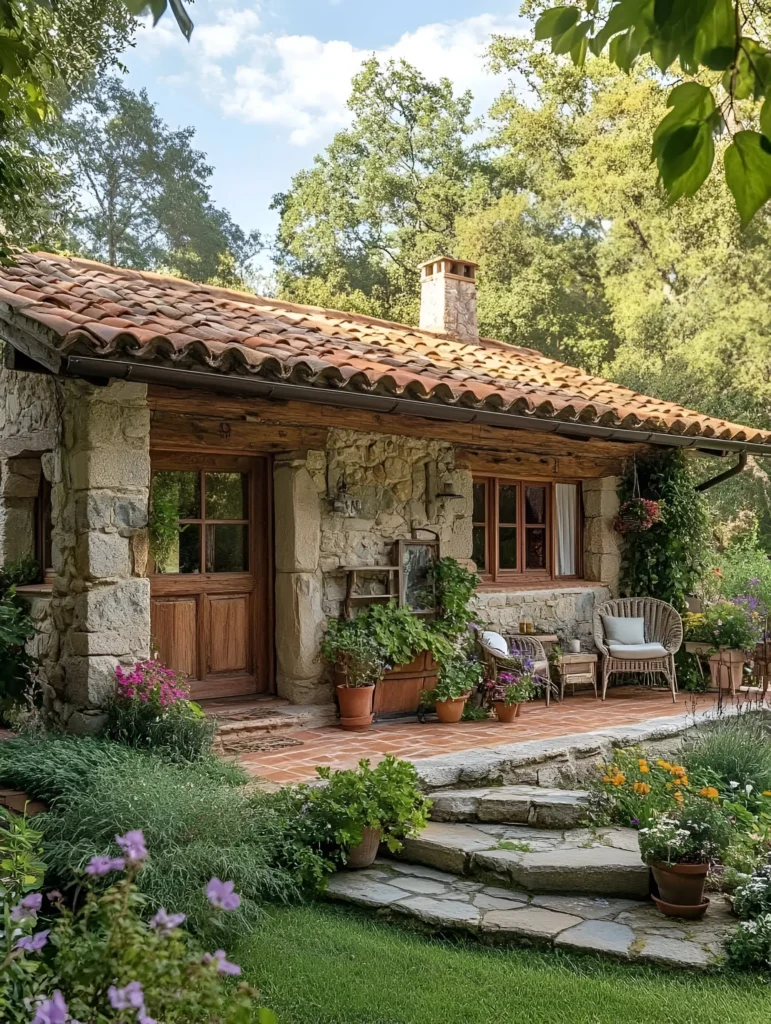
663	628
527	646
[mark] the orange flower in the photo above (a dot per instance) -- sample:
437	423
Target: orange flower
767	792
664	764
642	787
618	780
682	781
679	796
606	778
644	769
709	792
677	769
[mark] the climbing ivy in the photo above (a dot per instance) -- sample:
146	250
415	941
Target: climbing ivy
667	560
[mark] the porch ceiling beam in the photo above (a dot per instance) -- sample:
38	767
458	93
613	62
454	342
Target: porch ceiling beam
86	366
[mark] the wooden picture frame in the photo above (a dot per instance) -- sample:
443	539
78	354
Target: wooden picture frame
414	558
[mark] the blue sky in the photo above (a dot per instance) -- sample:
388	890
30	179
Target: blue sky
265	82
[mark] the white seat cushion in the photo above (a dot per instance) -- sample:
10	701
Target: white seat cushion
639	652
495	642
622	629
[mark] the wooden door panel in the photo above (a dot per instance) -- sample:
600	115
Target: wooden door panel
229	632
175	631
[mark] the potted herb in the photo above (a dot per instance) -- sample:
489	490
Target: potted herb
512	689
457	677
679	845
725	633
355	810
359	663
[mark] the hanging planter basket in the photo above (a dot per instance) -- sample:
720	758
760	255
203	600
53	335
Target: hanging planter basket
637	515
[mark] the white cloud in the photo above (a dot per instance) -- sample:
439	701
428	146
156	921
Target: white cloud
301	83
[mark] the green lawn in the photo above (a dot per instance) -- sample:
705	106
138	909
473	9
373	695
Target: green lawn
319	964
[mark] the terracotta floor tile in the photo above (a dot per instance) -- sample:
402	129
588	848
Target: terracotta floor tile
582	713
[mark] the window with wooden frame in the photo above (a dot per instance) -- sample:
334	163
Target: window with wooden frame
526	529
43	547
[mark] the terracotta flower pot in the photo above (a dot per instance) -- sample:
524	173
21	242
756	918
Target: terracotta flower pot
689	913
448	711
364	854
355	707
681	885
506	712
727	669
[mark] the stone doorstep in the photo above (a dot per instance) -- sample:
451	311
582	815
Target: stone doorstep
603	861
270	731
518	805
561	761
623	929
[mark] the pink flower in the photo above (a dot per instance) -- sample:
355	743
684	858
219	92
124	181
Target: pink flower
223	964
221	895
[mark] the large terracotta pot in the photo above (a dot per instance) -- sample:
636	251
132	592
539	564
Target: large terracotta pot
680	884
506	712
449	711
364	854
355	707
727	669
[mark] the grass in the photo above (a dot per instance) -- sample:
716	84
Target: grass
324	965
735	750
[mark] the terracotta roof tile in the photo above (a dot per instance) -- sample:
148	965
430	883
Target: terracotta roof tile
88	308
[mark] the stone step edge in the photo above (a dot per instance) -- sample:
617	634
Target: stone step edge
559	761
541	927
515	805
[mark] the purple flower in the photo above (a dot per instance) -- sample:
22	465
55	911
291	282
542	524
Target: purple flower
27	907
224	966
133	846
130	997
52	1011
142	1018
54	896
165	923
221	895
635	821
104	865
33	943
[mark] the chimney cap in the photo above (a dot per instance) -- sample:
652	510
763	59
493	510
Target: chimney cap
450	266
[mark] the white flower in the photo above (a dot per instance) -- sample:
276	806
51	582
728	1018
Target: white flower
734	785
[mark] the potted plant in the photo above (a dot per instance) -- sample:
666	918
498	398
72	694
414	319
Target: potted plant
457	677
359	663
679	845
511	690
725	633
406	640
347	817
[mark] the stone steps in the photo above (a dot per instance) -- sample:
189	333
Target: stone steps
517	805
600	861
270	729
626	929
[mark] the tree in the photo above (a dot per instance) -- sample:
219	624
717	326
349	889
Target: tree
718	53
383	197
47	52
145	191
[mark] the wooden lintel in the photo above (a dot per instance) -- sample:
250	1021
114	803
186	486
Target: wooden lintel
184	432
519	464
256	414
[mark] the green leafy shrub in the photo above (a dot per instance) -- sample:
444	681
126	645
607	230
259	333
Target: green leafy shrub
456	677
744	566
330	819
150	709
454	587
351	646
723	625
105	961
16	628
199	817
667	560
750	945
697	832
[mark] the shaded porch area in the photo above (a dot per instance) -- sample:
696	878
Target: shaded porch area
582	713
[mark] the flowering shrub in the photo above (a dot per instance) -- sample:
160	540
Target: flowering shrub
724	624
150	708
753	897
105	962
697	832
637	515
632	788
514	686
750	944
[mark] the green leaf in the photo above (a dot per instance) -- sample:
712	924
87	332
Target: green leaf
715	43
572	39
751	73
556	21
622	17
578	52
685	159
748	172
765	118
689	102
624	50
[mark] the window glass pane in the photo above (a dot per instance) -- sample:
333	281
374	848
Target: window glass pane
478	547
177	493
227	548
479	514
226	495
184	553
535	504
507	503
507	547
566	500
535	548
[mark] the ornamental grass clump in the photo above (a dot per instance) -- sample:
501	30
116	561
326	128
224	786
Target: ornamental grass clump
107	959
200	819
731	755
150	708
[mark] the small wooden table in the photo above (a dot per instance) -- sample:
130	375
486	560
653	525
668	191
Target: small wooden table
577	668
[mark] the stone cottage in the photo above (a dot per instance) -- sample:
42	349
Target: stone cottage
283	447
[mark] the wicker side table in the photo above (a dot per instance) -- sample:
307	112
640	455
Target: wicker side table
577	668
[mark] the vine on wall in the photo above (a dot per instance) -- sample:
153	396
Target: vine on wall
667	560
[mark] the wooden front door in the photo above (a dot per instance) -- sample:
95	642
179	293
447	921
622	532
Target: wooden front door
209	591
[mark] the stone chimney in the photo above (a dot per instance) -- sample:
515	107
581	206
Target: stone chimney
448	297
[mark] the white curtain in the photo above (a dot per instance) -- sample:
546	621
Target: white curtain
567	508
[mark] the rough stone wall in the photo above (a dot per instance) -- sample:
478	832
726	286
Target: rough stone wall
449	305
564	611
